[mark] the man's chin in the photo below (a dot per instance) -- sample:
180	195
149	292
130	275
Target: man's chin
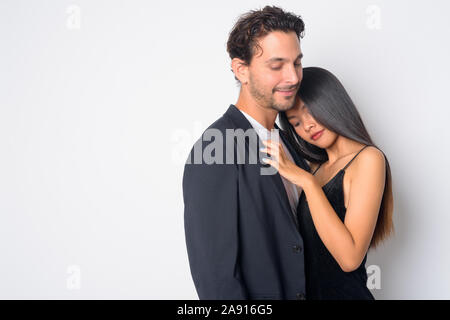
280	107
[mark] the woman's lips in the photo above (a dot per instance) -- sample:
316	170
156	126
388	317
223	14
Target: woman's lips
317	135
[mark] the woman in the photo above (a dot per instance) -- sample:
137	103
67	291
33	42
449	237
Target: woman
346	204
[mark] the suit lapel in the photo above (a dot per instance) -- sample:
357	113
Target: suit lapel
241	122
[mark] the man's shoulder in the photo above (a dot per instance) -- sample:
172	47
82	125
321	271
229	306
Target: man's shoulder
226	121
214	137
231	122
222	124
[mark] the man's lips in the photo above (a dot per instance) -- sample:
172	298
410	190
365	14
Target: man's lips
287	92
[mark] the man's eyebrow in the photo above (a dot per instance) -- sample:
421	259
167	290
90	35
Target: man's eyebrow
276	59
291	117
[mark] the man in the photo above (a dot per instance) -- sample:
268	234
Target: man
241	232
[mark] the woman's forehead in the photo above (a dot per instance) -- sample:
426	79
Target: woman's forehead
297	109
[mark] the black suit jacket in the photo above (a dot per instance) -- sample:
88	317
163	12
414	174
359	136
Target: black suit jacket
241	236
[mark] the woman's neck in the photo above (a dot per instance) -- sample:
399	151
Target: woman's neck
340	148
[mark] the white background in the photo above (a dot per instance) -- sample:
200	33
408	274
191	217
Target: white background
100	101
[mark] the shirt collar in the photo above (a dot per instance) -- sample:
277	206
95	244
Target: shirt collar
262	131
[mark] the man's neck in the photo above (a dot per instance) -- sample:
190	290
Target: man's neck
265	116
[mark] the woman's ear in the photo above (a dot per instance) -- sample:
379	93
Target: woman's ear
240	70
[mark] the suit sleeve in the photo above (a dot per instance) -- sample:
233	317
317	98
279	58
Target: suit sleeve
210	194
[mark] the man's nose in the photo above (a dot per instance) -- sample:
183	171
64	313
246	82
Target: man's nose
292	75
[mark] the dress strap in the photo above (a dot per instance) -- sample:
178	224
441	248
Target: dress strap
354	157
317	168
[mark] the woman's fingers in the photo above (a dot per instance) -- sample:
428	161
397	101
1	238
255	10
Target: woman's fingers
267	150
271	152
273	149
271	144
269	161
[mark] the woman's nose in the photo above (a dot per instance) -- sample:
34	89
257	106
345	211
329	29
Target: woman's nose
308	126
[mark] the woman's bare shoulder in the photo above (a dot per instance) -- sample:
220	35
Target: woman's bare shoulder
372	154
370	158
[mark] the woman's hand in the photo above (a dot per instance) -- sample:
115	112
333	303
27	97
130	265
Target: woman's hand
285	167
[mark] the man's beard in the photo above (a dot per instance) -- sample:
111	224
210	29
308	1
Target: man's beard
268	100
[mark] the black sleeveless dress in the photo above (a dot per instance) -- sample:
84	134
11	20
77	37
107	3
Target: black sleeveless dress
325	279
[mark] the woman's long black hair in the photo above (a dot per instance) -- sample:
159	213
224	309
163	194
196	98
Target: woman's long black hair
329	103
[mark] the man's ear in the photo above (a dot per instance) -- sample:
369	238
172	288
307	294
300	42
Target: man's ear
240	70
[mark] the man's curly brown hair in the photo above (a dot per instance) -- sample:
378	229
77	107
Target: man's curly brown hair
243	39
